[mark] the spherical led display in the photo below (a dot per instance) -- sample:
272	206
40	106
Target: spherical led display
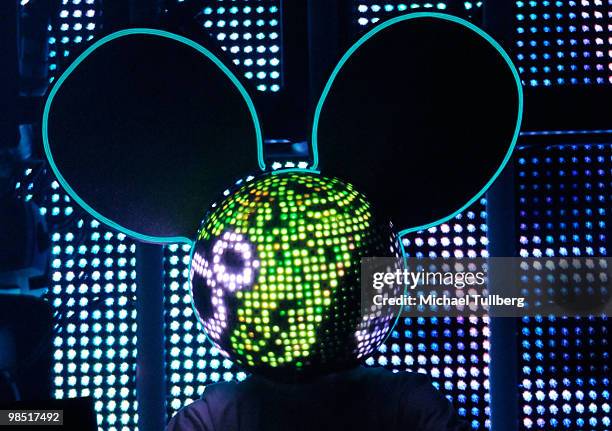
275	274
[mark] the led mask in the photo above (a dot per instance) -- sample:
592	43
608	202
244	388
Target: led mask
276	273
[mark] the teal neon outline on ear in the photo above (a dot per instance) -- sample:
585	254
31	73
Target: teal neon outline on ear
287	170
477	30
72	67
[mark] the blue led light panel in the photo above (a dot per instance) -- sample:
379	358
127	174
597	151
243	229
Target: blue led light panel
454	352
367	13
93	292
191	360
563	42
77	21
250	33
563	208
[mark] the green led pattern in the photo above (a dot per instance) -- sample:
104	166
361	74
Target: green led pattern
275	273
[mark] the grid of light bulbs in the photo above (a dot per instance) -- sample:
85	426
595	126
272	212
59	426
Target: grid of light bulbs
371	12
454	352
563	42
77	22
250	33
563	198
92	292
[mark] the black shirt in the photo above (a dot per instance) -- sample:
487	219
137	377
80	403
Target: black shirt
355	400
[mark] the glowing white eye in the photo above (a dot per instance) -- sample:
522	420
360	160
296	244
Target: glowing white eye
232	262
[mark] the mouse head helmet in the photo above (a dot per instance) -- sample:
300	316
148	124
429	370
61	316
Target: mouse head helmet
146	129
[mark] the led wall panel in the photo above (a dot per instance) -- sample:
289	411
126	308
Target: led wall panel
93	293
563	42
250	33
369	12
564	198
454	352
192	362
77	21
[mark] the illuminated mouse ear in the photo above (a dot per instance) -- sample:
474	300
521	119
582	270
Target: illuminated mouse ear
421	114
146	128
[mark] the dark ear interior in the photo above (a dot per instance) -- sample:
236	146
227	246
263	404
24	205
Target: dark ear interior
419	115
146	129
